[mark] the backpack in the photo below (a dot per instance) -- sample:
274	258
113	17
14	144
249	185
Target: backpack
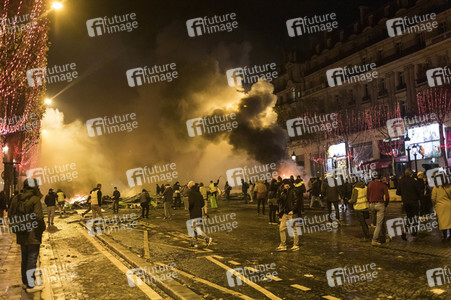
21	220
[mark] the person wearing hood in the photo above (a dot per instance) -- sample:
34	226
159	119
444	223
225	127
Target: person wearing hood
361	205
27	222
287	211
196	202
50	201
299	190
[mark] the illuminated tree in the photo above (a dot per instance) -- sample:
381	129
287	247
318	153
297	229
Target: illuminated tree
23	39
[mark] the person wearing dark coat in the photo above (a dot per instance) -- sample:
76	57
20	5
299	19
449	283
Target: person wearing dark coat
167	200
3	205
331	192
288	210
196	202
116	196
28	233
409	190
51	200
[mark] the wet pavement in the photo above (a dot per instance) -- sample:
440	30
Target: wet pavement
241	239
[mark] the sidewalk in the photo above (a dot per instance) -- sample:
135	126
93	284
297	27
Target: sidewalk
10	281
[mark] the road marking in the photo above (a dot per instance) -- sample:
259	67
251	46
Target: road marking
146	244
213	285
331	297
218	257
274	278
251	269
234	263
244	279
302	288
185	248
143	287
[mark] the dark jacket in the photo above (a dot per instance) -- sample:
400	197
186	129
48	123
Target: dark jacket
3	202
116	195
331	194
287	202
196	202
32	200
409	190
316	187
51	199
144	198
167	194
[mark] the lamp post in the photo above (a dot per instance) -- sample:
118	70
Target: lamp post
415	153
293	156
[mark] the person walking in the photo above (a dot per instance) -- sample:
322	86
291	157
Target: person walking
167	200
287	211
378	198
261	194
51	201
177	196
29	233
361	207
96	201
61	201
3	206
315	193
441	198
251	191
203	190
425	195
116	196
331	193
410	193
144	200
227	189
213	187
244	188
196	202
272	202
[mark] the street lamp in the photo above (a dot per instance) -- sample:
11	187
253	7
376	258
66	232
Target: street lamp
48	101
5	149
57	5
293	156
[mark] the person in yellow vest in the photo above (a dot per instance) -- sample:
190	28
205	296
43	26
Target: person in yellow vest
61	201
96	201
361	205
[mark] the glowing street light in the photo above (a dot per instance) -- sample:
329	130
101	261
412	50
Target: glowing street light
5	149
57	5
293	156
44	131
48	101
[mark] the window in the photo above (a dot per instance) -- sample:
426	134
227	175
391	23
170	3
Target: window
400	80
